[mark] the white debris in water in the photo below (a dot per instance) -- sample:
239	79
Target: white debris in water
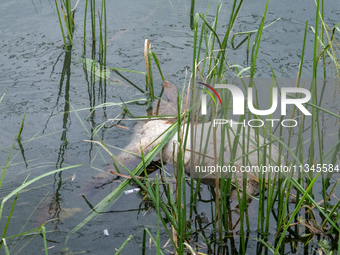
106	232
136	190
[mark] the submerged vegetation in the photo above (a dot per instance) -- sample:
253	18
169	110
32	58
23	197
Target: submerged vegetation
285	208
15	194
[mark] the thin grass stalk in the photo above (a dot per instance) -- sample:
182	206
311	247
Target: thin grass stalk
61	25
69	32
223	185
233	14
44	237
27	232
337	148
143	161
144	242
217	182
324	182
280	179
101	41
300	149
323	41
248	33
171	200
212	30
194	57
21	126
243	202
158	244
257	41
100	20
6	247
158	65
84	42
270	188
201	38
313	87
210	42
200	41
150	75
105	33
6	165
123	245
299	77
93	19
153	240
9	218
232	159
180	192
2	97
69	17
223	199
261	184
148	67
212	37
320	145
245	198
192	9
242	235
192	112
183	151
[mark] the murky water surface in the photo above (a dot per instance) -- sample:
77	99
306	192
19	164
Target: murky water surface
39	77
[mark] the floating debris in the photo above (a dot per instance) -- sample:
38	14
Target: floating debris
136	190
106	232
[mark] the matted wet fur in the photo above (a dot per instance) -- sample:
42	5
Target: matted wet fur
145	133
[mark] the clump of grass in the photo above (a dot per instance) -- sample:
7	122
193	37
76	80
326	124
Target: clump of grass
269	194
68	15
210	66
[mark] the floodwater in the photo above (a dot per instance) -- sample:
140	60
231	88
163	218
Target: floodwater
40	77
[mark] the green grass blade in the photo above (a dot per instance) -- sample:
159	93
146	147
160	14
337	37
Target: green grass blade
9	218
44	237
6	247
123	245
2	97
157	64
61	25
17	190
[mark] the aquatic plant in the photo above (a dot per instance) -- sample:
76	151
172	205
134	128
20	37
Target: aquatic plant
14	194
210	66
68	14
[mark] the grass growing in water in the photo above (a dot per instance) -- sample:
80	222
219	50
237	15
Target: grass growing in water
15	194
271	194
